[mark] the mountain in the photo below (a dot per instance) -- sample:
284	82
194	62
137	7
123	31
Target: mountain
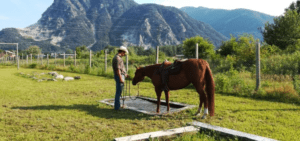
98	23
235	22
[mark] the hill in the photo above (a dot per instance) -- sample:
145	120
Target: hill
235	22
98	23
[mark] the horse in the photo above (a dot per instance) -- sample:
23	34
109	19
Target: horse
195	71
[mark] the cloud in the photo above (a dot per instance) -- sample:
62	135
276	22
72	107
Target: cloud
3	17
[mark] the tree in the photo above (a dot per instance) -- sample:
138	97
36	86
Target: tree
1	50
241	48
294	6
34	50
206	48
69	51
82	52
228	47
284	31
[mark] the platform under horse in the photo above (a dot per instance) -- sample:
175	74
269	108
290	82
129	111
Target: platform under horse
195	71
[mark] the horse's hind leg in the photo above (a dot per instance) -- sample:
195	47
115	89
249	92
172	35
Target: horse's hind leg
167	95
158	95
203	99
200	106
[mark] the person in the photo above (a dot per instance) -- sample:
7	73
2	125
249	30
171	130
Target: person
119	74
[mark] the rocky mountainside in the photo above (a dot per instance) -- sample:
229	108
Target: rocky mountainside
235	22
98	23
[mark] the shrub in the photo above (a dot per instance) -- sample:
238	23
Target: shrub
72	68
87	69
34	65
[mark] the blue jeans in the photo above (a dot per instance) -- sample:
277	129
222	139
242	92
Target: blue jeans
119	88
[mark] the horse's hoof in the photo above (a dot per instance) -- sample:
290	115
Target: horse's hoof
204	117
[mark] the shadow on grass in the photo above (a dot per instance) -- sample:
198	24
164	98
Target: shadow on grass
93	110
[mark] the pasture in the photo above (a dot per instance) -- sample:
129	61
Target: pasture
62	110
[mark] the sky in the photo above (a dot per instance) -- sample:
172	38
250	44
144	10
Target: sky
22	13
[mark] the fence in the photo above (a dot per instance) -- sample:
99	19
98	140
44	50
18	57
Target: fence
275	77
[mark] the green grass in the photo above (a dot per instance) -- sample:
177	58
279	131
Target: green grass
193	136
69	111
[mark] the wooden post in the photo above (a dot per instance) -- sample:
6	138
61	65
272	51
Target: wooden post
64	59
55	58
17	56
157	54
105	59
127	62
31	58
37	60
197	51
258	66
47	59
42	58
75	58
90	58
27	59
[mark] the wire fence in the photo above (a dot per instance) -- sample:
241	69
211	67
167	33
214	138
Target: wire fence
275	77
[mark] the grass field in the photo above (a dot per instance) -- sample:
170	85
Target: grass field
61	110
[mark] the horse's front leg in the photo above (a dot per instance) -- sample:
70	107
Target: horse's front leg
167	94
158	94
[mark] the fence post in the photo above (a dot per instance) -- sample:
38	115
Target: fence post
47	59
64	59
105	59
27	59
75	58
22	62
31	58
257	66
197	51
37	60
42	58
157	54
127	62
90	58
55	58
17	55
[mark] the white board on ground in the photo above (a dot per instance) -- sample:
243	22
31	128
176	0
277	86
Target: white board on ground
158	134
68	78
231	132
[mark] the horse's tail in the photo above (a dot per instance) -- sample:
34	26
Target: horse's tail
210	90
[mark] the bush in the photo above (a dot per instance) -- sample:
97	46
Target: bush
72	68
87	69
34	65
232	82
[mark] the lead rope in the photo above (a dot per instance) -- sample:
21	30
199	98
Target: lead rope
126	90
138	92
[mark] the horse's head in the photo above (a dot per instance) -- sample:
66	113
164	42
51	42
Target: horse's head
139	75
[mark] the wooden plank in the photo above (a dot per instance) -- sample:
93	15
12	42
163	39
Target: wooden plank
158	134
242	135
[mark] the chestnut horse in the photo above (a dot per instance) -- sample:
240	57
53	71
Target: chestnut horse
195	71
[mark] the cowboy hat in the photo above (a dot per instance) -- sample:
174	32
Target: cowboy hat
124	49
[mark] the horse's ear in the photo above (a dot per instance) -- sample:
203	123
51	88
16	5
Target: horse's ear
135	66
